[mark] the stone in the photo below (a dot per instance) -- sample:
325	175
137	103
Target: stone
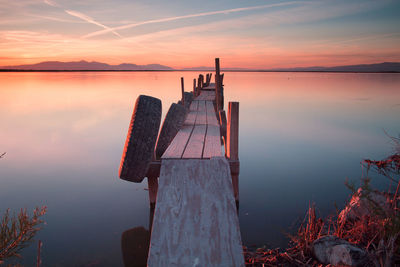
338	252
359	206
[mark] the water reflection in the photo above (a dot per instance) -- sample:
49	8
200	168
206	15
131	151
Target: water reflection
301	135
135	244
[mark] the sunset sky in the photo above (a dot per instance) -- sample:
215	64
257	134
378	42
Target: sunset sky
248	33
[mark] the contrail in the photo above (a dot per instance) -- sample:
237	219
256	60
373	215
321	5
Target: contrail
227	11
50	3
82	17
90	20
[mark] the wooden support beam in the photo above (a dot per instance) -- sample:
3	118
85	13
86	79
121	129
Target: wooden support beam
152	180
183	91
232	142
194	87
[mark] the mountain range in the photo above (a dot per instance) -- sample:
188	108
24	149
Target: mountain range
85	65
377	67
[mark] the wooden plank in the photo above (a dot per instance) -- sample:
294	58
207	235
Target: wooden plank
202	106
178	144
194	148
201	113
193	106
212	143
210	87
195	222
211	117
190	118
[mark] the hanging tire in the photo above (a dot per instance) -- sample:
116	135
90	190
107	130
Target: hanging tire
172	123
140	141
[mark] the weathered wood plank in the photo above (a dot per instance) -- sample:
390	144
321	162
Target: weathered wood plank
202	106
190	118
201	113
195	222
212	143
194	148
178	144
193	105
211	117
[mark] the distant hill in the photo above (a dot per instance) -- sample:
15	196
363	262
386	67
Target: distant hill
85	65
377	67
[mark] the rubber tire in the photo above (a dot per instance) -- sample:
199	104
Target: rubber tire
141	139
172	123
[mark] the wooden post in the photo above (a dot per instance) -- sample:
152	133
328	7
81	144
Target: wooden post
194	87
232	142
217	85
199	84
222	123
183	91
201	77
153	188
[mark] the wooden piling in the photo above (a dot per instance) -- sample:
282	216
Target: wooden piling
152	182
232	143
217	85
183	91
222	125
194	87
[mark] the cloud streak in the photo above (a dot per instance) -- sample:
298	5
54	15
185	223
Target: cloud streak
90	20
82	17
226	11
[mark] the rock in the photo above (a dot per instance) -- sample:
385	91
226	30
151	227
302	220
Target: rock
335	251
359	206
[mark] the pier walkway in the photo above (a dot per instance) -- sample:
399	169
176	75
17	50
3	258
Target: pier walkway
195	220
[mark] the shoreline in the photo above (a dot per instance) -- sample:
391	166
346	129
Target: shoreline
298	71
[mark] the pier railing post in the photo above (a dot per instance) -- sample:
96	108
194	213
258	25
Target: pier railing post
183	91
222	126
194	87
217	85
232	143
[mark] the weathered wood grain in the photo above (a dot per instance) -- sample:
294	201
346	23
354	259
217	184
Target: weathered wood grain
194	148
190	118
212	143
178	144
195	221
193	105
201	113
232	141
183	91
211	117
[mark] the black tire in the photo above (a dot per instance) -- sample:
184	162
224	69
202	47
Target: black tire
172	123
141	139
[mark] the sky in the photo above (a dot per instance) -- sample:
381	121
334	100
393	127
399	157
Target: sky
247	34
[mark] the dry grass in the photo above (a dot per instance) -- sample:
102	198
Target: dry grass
377	232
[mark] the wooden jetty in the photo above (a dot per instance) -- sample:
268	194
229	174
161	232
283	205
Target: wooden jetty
196	195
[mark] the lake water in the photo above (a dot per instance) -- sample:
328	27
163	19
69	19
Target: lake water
301	135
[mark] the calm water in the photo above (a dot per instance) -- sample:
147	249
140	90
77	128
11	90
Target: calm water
301	135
